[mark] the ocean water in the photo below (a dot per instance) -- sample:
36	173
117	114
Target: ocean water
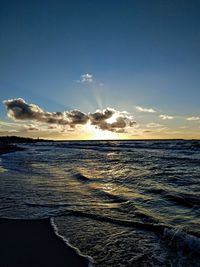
124	203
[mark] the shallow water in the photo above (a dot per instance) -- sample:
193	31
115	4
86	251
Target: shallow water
125	203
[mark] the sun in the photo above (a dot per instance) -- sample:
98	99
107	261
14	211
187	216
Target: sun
98	134
104	135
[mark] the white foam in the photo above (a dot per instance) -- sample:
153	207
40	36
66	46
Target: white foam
91	262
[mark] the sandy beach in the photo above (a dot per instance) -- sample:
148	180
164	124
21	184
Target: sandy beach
34	243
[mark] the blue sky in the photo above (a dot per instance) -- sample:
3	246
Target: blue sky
139	53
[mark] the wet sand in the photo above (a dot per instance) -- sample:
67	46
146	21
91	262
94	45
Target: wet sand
33	243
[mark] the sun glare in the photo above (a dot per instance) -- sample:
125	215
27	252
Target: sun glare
98	134
104	135
112	119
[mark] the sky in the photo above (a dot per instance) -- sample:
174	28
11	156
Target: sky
100	69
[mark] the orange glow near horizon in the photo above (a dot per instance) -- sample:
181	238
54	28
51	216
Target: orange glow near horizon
98	134
90	132
104	135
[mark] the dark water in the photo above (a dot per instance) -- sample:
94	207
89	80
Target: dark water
123	203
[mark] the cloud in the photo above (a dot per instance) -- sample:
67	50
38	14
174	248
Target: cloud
19	109
32	127
166	117
9	124
148	110
153	125
87	78
193	118
100	116
183	127
109	119
147	131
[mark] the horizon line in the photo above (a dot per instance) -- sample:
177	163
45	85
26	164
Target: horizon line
71	140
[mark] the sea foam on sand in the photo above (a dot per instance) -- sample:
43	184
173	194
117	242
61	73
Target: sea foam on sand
34	243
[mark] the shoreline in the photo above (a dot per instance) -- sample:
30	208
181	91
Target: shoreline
8	148
25	242
35	243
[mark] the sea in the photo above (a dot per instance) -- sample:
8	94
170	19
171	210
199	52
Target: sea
122	203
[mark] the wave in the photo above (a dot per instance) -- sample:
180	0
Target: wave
155	190
90	260
159	228
184	199
181	239
48	205
180	198
82	177
85	179
138	144
109	196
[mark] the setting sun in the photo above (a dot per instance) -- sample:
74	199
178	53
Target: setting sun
104	135
98	134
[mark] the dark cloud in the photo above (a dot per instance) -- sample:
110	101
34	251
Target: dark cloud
147	131
20	110
108	119
100	116
33	128
101	120
77	117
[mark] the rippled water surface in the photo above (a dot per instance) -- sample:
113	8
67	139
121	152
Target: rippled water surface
133	203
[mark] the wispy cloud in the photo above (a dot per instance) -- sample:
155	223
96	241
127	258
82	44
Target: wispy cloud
153	125
108	119
18	126
183	127
194	118
86	78
147	110
166	117
32	127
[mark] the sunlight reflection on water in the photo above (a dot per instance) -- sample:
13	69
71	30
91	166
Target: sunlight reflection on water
101	188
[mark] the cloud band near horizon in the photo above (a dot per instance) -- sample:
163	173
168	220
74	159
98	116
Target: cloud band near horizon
19	109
